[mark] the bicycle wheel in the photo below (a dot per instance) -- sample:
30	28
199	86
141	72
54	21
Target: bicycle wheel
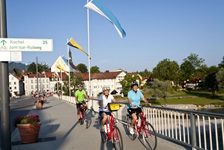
117	139
149	137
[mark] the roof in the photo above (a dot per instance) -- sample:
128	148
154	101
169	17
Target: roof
101	75
49	75
71	65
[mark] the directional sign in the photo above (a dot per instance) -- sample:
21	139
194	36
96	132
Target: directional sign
18	45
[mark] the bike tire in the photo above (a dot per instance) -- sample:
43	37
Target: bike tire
117	139
149	137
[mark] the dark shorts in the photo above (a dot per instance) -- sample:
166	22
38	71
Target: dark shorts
134	110
78	105
107	113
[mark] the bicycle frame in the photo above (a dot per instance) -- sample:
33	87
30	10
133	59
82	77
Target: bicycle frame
143	120
111	125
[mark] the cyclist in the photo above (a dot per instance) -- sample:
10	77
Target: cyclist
134	98
80	95
104	99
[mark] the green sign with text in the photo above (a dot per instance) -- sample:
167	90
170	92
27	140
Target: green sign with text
19	45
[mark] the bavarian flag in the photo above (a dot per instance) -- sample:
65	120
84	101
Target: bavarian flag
96	6
74	44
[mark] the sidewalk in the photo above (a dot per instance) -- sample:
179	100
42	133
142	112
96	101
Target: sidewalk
60	131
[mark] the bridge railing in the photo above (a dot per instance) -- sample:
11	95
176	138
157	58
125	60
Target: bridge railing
196	129
199	130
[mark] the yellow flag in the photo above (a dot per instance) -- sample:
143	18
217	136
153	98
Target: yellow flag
60	67
74	44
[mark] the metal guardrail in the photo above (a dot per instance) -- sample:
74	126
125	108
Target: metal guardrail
196	129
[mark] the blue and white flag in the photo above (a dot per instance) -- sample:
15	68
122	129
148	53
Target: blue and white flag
96	6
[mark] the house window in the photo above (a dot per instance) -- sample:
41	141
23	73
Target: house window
9	83
31	86
14	83
15	87
31	81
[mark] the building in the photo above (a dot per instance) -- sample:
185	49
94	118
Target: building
98	80
47	81
61	65
16	85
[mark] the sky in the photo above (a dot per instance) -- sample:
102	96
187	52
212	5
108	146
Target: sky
155	30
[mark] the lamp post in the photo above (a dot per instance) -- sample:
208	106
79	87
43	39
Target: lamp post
4	82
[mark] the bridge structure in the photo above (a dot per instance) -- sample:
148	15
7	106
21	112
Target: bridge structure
176	129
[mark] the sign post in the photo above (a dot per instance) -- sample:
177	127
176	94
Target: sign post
4	88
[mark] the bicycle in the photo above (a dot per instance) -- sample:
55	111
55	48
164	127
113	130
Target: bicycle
144	128
112	132
84	114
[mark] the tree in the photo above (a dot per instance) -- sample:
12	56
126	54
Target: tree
161	89
166	70
126	82
195	60
95	69
186	70
82	68
210	81
220	78
74	80
221	65
145	73
32	68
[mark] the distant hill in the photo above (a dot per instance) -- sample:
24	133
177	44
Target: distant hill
19	66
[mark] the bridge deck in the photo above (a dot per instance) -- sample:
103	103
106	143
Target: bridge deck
61	131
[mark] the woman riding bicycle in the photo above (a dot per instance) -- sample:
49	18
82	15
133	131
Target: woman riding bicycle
104	99
134	98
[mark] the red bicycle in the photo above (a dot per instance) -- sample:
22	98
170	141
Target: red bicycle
84	115
143	128
112	132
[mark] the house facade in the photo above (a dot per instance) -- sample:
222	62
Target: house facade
16	86
98	80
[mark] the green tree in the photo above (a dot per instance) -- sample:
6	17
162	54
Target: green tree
82	68
95	69
161	89
145	73
166	70
220	78
74	81
221	65
211	82
195	60
186	70
32	68
126	82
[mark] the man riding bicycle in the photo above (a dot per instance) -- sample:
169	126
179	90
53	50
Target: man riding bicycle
104	99
134	98
80	95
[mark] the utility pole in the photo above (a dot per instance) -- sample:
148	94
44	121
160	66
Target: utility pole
4	88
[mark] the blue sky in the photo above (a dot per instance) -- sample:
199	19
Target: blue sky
156	29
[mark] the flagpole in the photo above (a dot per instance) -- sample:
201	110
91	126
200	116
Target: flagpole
90	94
69	91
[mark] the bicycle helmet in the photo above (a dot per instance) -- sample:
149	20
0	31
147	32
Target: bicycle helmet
79	85
134	83
106	88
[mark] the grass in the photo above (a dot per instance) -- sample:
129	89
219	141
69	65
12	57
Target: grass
189	97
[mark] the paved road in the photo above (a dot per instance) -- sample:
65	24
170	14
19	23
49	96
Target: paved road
60	131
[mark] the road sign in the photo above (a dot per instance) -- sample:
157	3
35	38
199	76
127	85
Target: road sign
10	56
18	45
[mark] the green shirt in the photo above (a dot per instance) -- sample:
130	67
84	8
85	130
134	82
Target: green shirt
80	95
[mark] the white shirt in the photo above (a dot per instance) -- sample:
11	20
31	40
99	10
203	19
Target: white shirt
105	102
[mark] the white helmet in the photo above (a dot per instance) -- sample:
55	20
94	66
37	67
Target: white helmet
106	88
